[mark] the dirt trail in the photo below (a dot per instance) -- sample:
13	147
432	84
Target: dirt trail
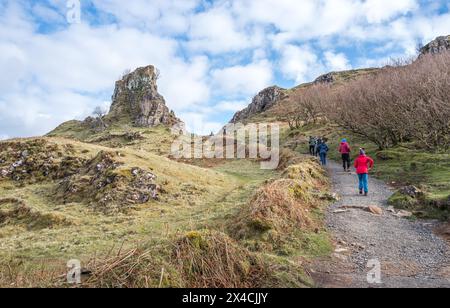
410	254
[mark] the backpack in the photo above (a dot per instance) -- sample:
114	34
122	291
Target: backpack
323	148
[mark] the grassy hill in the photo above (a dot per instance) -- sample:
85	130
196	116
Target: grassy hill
102	197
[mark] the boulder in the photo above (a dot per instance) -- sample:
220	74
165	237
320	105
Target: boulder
411	191
324	79
376	210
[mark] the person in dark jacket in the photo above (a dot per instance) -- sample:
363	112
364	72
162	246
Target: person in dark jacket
363	165
345	151
323	152
312	145
316	147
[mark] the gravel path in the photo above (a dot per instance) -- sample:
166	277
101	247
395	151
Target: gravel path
409	253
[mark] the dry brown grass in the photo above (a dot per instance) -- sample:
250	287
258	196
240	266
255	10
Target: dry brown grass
288	157
200	259
210	259
17	274
135	268
283	205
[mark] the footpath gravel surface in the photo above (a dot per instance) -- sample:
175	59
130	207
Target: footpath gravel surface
409	254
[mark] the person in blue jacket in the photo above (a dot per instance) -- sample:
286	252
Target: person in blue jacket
323	152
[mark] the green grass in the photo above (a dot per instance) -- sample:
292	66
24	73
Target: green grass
156	140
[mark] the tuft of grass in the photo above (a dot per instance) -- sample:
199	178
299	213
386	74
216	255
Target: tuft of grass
209	259
285	215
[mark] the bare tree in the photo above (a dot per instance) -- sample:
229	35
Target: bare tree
157	74
125	73
99	113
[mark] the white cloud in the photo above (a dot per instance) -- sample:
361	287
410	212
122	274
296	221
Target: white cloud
300	63
336	62
243	79
184	85
377	11
200	124
163	16
215	31
213	55
231	106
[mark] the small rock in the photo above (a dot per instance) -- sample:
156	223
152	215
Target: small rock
340	257
17	164
358	246
135	171
340	211
150	176
341	250
375	210
404	214
411	191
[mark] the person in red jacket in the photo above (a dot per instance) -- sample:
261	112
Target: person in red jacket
345	151
363	165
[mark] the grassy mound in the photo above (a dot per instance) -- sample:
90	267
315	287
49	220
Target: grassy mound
284	215
37	160
119	135
15	212
209	259
108	188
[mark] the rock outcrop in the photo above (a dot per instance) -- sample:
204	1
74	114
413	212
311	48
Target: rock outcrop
439	45
265	100
136	99
326	78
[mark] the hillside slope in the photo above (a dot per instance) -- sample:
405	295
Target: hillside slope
405	164
104	191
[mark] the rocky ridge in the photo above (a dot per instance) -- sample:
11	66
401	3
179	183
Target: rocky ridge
263	101
439	45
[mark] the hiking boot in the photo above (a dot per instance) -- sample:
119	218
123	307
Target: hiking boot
366	194
360	192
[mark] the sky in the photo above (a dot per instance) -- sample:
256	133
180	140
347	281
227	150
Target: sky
58	63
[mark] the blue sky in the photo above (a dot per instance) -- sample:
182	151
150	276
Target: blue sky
214	56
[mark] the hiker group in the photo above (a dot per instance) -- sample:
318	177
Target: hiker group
318	147
363	163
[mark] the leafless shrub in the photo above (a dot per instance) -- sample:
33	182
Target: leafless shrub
306	107
99	113
401	103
